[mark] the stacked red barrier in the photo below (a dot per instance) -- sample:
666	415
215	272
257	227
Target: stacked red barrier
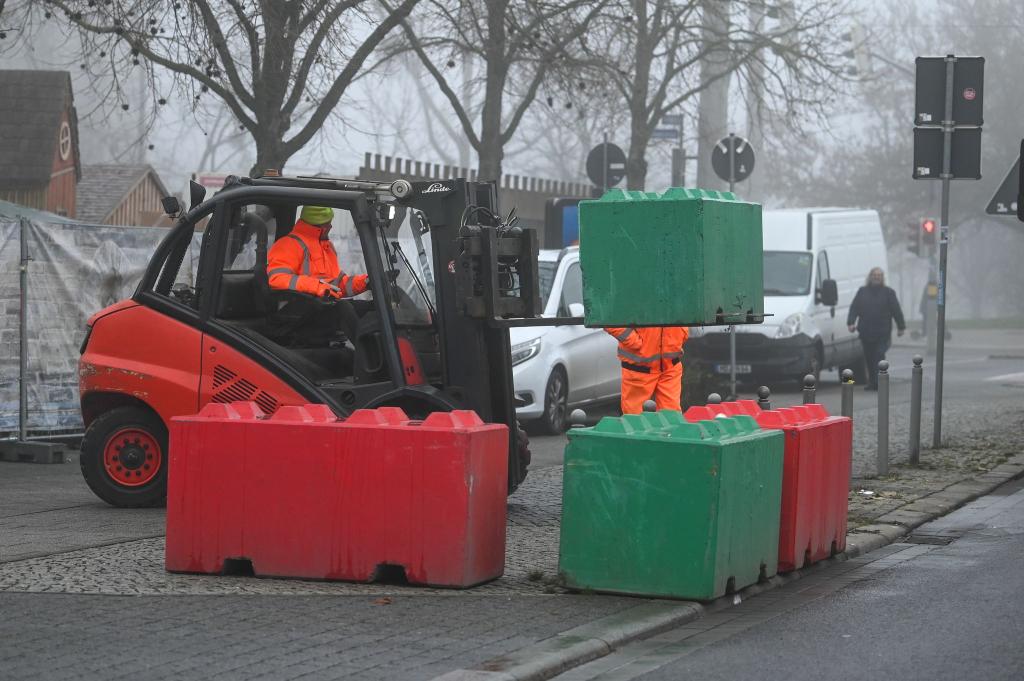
815	476
302	494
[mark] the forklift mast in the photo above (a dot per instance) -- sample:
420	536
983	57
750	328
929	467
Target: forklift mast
485	271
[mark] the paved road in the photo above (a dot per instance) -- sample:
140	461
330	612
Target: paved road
980	365
925	611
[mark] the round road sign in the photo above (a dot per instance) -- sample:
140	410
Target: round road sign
742	158
606	165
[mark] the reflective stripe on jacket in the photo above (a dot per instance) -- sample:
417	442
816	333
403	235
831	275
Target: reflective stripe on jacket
305	260
650	349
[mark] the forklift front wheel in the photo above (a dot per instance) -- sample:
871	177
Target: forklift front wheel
124	458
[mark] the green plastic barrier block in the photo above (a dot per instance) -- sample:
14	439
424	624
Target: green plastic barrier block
653	505
685	257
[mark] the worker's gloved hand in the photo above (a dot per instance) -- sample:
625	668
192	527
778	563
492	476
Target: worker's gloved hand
329	291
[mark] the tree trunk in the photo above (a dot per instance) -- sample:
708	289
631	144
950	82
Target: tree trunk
713	110
754	189
639	132
491	154
270	154
636	161
492	151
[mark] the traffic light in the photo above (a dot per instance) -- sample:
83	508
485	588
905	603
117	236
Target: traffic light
913	236
929	231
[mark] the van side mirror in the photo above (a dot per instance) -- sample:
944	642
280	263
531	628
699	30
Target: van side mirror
171	205
196	194
828	294
576	309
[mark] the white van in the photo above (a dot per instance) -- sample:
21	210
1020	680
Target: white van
815	259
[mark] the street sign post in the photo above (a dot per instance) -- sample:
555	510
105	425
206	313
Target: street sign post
732	159
606	165
947	106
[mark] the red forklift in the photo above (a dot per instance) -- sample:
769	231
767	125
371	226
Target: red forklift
448	277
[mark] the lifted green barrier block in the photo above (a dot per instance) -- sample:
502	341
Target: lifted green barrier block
656	506
685	257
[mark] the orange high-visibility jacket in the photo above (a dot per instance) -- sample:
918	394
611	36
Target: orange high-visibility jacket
651	349
305	260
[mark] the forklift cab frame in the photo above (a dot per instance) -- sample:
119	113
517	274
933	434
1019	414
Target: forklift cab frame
473	259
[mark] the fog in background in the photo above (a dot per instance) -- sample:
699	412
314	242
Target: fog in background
856	152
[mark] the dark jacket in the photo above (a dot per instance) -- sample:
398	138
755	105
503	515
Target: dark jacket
875	307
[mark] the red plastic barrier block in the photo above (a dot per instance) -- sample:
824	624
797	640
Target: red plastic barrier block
815	477
302	494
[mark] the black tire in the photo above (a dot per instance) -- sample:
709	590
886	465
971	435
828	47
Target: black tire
141	454
555	419
859	369
814	369
516	477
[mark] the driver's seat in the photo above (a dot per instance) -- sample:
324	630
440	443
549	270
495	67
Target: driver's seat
241	301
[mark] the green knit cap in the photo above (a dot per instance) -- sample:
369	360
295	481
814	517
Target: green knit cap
317	215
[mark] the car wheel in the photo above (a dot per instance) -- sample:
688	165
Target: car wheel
124	458
556	403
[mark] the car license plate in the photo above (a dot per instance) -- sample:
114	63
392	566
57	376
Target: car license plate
740	368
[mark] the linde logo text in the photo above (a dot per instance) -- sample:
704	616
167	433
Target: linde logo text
435	188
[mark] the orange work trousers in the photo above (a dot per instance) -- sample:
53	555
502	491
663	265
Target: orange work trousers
665	387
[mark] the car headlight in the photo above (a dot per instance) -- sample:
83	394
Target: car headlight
791	326
524	351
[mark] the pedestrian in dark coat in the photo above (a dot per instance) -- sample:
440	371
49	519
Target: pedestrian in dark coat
872	313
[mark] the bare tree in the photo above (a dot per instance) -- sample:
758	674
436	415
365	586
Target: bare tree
280	67
661	54
516	43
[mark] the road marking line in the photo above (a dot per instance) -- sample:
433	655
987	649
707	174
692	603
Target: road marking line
1012	378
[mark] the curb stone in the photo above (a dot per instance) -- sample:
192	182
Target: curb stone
588	642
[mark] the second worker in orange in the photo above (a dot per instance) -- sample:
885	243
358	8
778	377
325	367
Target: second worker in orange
652	366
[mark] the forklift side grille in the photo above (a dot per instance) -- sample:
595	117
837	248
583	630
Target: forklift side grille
229	387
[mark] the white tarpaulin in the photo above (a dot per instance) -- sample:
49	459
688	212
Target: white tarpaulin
74	270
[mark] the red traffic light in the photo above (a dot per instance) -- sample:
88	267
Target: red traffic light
928	225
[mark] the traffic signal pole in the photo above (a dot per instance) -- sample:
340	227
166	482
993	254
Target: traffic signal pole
947	174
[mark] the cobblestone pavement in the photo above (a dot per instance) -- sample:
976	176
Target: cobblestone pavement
977	438
48	636
137	567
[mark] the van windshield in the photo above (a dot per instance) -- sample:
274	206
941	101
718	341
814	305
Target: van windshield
787	273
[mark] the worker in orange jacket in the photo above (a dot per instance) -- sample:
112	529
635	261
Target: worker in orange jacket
304	260
651	366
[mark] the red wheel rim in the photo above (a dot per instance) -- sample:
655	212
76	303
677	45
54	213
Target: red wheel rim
132	457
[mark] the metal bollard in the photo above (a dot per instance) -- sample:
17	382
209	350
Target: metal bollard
764	398
883	418
714	398
847	389
916	386
578	418
809	389
650	405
